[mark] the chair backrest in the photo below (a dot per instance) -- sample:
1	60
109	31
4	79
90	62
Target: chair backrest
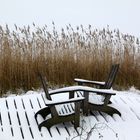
45	85
112	75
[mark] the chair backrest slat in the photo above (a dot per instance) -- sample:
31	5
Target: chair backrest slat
45	85
112	75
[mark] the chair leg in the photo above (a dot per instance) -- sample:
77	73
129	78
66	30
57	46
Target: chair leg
110	110
107	109
76	122
86	104
77	115
43	112
47	123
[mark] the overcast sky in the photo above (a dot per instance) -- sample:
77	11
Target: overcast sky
122	14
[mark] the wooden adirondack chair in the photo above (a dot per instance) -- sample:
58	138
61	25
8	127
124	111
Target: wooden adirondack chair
91	102
69	109
101	85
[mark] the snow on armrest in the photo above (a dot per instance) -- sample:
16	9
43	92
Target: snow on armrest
82	88
89	81
50	103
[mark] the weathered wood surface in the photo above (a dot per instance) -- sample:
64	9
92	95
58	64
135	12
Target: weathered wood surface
17	117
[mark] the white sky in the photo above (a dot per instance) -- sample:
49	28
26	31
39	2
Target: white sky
122	14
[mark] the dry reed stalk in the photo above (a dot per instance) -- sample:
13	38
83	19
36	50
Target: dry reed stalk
64	55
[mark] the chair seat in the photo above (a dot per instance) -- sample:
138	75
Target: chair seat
65	109
96	99
93	98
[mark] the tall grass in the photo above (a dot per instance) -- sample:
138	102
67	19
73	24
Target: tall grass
82	52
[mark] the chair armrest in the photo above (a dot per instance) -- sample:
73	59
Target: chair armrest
89	82
52	103
60	90
82	88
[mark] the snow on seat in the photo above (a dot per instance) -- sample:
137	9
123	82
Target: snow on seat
96	99
65	109
93	98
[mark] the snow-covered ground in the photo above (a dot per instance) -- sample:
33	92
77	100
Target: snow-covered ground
17	119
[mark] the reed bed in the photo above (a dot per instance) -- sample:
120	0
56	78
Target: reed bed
83	52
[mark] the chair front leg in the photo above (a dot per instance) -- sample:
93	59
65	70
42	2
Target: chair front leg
85	103
107	99
77	115
71	94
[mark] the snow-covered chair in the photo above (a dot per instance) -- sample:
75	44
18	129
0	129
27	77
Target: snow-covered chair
55	109
102	85
99	101
93	99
